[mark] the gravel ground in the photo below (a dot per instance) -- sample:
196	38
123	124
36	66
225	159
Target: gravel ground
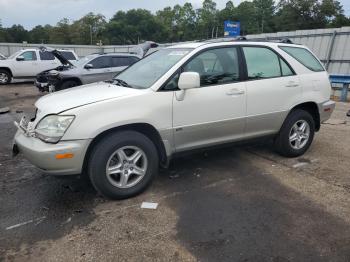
241	203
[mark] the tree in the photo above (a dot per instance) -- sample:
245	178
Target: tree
40	34
60	34
264	12
89	29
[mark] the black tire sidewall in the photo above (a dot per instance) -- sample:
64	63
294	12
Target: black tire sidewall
105	148
282	141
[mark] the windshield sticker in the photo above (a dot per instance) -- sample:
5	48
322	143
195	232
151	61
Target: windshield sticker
178	52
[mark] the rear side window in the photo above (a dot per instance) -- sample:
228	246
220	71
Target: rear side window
46	56
264	63
101	62
68	55
123	61
304	56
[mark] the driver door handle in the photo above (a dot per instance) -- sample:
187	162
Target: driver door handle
235	92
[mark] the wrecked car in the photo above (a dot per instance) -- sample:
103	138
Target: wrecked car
90	69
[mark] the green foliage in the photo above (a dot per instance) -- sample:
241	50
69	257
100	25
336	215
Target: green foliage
183	22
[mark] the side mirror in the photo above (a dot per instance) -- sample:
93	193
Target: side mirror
189	80
88	66
20	58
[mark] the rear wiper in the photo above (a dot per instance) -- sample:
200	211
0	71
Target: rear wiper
121	82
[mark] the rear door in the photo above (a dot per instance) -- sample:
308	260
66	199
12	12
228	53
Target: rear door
272	89
47	61
100	71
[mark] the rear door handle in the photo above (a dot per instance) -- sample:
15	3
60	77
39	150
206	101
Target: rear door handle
292	84
235	92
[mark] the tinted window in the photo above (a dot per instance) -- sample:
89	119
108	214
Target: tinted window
215	66
286	71
123	61
46	56
261	62
29	56
101	62
304	57
68	55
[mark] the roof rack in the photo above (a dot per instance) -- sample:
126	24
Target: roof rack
244	38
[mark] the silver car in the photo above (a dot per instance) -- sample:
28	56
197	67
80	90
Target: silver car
90	69
178	99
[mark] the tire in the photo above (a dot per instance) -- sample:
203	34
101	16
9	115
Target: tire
107	153
67	84
291	141
5	77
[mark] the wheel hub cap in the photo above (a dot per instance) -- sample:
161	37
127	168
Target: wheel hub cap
299	134
126	167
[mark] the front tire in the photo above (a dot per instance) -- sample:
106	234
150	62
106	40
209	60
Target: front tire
5	77
296	134
123	164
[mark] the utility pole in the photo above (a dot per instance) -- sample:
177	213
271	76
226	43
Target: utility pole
90	34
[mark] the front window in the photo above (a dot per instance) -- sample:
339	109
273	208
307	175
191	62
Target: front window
101	62
215	66
84	60
148	70
29	56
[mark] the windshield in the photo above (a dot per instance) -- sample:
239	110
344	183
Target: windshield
15	54
83	60
148	70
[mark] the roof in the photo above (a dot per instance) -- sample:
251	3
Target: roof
219	42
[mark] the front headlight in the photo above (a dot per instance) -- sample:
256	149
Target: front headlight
52	127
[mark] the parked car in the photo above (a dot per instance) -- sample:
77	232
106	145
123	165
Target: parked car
27	63
66	62
92	68
2	57
177	99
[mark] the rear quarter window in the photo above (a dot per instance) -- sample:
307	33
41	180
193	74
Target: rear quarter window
304	56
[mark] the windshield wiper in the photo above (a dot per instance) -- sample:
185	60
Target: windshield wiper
121	82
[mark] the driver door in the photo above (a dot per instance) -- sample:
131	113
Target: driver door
215	112
29	67
100	71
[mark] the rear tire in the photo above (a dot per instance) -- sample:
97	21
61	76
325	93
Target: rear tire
296	134
115	168
67	84
5	77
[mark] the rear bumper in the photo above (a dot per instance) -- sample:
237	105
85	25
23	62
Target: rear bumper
43	155
326	109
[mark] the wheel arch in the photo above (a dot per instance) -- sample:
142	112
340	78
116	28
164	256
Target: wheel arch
143	128
72	78
7	69
312	108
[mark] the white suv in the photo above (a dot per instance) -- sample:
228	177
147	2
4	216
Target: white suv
177	99
27	63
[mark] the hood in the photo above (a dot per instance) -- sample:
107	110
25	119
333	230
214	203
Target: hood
57	54
60	101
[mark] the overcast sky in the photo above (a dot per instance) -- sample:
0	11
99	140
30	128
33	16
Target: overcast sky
30	13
